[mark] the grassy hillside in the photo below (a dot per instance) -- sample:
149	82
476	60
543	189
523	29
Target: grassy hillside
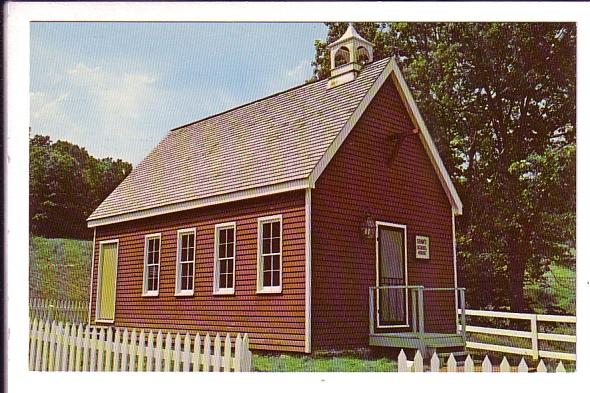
59	268
557	295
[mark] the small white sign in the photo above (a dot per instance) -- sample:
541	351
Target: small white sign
422	247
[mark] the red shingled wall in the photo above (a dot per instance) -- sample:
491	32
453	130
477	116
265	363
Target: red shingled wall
360	180
273	321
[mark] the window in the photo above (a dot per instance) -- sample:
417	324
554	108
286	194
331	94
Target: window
342	56
185	262
151	266
269	254
225	251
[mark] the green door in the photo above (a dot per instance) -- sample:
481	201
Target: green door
107	282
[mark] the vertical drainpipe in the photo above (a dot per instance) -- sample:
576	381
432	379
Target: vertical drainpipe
91	277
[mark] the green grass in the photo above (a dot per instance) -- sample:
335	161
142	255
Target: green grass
59	268
293	363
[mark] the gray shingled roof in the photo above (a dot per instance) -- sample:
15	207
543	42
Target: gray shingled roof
270	141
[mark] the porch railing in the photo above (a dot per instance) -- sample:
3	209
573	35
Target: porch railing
416	293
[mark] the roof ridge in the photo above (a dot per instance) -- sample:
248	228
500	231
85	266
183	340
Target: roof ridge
265	98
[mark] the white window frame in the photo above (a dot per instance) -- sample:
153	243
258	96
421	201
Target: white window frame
148	237
216	289
260	265
179	234
98	280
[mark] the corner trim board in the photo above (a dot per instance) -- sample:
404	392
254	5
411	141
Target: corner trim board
91	277
308	270
455	268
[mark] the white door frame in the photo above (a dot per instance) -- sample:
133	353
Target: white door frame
98	288
398	226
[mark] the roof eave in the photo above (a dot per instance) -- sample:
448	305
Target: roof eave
271	189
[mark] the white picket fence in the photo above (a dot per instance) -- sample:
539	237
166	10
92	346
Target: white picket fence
58	347
436	365
59	310
534	335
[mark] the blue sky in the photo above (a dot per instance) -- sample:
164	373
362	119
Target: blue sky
118	88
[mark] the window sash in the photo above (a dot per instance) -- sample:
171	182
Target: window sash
185	261
270	253
153	245
225	258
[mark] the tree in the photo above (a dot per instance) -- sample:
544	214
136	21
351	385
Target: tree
499	100
66	185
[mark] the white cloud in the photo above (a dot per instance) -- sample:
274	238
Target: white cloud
124	95
300	72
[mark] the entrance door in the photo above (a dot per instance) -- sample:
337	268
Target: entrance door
391	270
107	281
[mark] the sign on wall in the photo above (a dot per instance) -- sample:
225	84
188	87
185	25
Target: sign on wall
422	247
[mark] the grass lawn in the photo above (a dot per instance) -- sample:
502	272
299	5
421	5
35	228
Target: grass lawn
292	363
59	268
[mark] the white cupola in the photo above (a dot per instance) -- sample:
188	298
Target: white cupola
348	55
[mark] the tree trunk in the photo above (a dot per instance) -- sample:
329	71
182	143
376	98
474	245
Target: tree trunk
517	257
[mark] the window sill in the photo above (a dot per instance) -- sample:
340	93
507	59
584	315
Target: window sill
104	321
150	294
270	290
184	293
224	292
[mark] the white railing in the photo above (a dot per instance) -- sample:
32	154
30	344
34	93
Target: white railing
60	310
437	365
533	334
416	302
58	347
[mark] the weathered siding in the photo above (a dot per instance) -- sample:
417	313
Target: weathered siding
360	179
273	321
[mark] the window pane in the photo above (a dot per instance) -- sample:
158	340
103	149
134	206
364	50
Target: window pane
230	234
230	250
230	265
191	254
267	263
267	278
265	230
222	236
156	244
191	240
266	246
222	253
230	281
276	262
276	244
183	254
276	278
276	229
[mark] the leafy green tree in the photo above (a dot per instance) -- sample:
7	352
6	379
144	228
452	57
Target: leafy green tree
499	100
66	185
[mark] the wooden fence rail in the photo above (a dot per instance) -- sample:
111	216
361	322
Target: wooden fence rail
59	310
69	347
436	365
533	334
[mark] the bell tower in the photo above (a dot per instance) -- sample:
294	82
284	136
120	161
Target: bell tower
348	55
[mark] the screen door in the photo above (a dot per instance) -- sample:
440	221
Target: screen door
392	271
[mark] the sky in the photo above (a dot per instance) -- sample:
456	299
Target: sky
118	88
